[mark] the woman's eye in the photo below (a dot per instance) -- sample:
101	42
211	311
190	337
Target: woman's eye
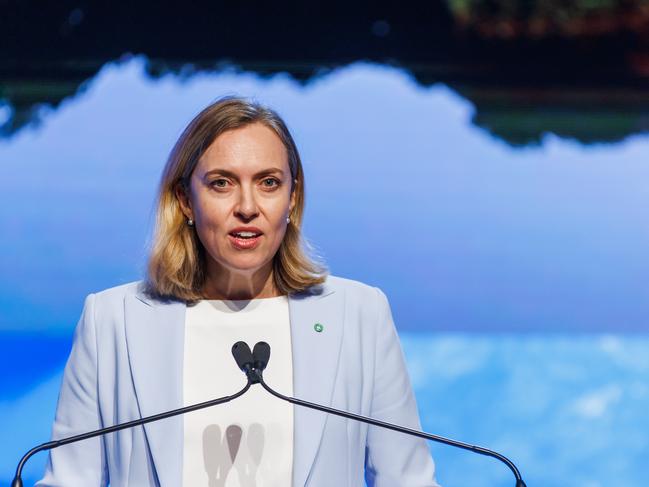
219	183
270	183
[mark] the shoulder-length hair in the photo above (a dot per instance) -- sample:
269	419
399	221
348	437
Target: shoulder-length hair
176	266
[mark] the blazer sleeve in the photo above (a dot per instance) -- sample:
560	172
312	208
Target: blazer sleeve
80	464
393	458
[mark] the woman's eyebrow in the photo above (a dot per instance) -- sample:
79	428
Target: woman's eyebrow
265	172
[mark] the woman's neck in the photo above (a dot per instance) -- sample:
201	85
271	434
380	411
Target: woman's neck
229	285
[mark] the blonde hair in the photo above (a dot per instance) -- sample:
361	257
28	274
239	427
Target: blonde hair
177	258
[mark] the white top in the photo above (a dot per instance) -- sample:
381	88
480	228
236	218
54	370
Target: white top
247	442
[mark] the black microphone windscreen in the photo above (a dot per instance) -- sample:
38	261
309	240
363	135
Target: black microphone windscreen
261	354
242	355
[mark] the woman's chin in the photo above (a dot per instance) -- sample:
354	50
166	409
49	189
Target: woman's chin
246	264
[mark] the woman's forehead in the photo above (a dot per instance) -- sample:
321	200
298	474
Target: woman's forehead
247	149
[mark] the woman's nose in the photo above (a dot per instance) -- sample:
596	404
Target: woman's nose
246	207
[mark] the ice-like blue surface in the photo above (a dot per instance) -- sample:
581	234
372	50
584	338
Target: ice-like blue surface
570	411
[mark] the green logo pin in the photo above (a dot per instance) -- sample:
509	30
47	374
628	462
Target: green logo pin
318	327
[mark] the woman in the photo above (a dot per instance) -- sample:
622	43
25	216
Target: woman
228	264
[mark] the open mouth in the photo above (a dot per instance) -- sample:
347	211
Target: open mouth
245	235
245	239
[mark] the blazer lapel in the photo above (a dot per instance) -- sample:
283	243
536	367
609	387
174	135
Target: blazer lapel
155	334
315	365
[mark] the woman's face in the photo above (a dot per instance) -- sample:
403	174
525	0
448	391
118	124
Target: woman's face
240	196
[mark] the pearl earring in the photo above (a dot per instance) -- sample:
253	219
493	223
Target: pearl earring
288	219
190	222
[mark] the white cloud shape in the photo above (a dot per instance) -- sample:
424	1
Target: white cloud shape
596	403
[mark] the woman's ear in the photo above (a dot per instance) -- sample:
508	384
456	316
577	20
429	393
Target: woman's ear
291	203
183	200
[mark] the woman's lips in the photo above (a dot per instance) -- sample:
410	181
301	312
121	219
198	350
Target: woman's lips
244	243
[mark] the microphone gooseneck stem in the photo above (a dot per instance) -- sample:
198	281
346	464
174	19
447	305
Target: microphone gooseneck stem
401	429
17	481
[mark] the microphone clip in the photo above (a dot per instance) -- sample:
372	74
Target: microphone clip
253	375
251	363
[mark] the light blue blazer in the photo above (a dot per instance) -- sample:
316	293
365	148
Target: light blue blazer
127	360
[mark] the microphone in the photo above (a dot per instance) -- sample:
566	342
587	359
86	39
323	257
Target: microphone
261	355
244	359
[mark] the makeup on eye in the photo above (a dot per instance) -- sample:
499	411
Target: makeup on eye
218	183
275	183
